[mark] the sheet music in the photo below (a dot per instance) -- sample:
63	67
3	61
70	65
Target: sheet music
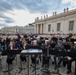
31	51
24	51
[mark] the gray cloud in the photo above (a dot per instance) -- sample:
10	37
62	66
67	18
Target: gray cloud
9	21
32	5
2	25
6	18
4	6
39	6
42	6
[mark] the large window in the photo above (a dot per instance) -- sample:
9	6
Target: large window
71	25
58	26
49	27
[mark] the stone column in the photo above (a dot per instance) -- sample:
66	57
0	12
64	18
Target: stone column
42	28
36	28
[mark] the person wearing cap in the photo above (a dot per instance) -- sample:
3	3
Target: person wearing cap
58	46
71	59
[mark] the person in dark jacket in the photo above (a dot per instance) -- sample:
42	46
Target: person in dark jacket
66	44
34	46
10	57
23	47
46	47
59	47
71	59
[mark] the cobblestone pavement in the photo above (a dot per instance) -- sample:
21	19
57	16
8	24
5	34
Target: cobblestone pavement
16	64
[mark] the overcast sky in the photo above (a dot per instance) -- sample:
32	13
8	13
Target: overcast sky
22	12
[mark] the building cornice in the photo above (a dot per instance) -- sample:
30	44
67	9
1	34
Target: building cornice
60	15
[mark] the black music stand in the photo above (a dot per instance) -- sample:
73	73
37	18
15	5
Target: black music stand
72	54
62	53
14	52
29	52
5	52
11	52
57	53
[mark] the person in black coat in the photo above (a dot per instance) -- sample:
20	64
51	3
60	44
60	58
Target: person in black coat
54	38
39	41
45	58
34	45
71	59
59	47
23	46
67	46
10	57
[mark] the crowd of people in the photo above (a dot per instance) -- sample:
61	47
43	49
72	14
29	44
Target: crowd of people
44	43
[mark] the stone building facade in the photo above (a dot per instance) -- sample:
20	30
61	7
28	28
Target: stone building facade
62	23
18	30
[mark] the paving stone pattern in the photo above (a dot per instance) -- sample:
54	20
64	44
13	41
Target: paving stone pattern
16	64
